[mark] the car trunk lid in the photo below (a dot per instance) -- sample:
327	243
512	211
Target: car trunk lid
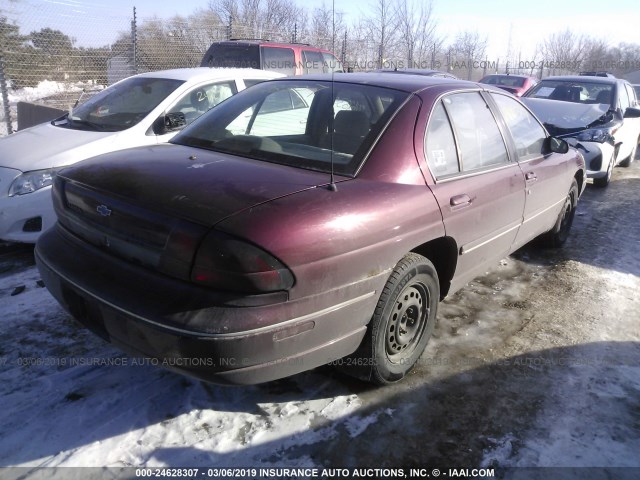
153	206
197	185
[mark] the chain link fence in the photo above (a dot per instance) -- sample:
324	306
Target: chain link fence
56	52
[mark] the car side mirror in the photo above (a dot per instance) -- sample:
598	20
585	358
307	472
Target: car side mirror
169	122
557	145
632	112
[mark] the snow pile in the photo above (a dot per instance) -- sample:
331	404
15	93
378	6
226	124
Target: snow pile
46	88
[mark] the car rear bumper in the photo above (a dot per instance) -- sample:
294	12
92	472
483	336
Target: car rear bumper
204	334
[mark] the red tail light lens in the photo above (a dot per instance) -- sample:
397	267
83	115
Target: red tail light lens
227	263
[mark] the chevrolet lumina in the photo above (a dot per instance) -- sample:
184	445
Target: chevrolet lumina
270	237
597	115
145	109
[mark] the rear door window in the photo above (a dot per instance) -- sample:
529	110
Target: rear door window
313	62
479	140
440	146
202	98
281	60
331	63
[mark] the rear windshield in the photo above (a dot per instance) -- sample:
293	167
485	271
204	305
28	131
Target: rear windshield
232	56
300	123
574	91
504	80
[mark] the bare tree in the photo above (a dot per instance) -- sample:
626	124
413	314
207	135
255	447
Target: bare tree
381	27
564	51
205	27
469	48
326	28
417	26
267	19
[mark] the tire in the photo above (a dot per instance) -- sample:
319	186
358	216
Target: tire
557	236
604	181
627	161
402	322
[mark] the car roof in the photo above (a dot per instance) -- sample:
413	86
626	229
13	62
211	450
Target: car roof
268	43
209	73
407	83
584	78
411	71
510	75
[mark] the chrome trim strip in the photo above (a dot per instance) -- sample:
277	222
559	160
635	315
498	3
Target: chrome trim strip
474	173
543	211
464	250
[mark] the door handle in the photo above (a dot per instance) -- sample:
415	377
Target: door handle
460	200
530	177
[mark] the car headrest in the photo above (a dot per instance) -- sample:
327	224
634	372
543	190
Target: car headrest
351	122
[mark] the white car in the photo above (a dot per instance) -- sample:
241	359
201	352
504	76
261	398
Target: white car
145	109
599	116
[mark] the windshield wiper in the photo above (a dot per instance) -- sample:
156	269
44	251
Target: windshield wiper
59	120
85	123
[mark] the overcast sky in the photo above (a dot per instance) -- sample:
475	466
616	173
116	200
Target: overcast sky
526	23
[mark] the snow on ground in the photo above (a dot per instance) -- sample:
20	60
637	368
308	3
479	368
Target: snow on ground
537	363
69	399
44	89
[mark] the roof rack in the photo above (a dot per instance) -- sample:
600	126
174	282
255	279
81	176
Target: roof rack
597	74
251	39
266	40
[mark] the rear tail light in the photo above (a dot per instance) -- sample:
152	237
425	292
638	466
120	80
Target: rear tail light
227	263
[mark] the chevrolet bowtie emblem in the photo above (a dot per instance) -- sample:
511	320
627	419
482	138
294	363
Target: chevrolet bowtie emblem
103	210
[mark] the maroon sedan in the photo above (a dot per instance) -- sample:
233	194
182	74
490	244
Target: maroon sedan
305	221
515	84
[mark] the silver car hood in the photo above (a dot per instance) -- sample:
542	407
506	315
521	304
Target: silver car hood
47	146
566	115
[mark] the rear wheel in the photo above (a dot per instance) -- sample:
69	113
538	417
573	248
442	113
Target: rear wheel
403	320
557	236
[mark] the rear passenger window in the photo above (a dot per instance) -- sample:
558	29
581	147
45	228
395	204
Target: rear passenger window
280	101
313	62
527	133
331	63
476	131
440	147
199	100
281	60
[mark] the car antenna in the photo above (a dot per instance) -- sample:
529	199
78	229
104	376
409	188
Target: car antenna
79	98
332	185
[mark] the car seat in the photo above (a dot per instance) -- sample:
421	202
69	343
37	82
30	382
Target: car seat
604	97
349	129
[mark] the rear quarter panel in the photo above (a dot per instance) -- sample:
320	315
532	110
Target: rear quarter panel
332	239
